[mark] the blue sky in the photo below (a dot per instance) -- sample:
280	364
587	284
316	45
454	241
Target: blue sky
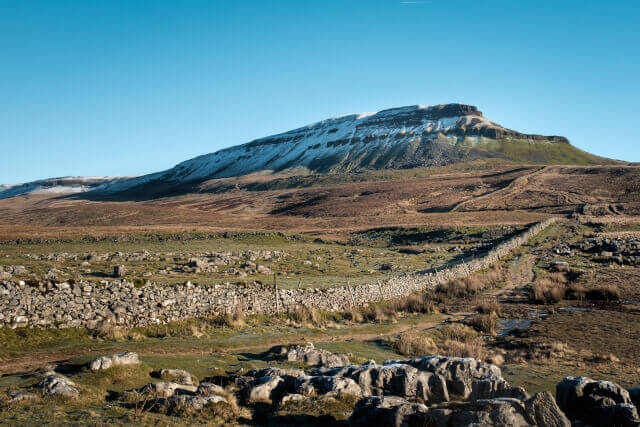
129	87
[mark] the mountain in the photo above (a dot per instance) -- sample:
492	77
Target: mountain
397	138
64	185
404	137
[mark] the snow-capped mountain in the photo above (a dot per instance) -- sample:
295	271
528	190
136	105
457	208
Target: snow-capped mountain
64	185
402	137
396	138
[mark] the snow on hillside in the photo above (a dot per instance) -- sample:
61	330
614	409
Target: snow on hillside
319	144
64	185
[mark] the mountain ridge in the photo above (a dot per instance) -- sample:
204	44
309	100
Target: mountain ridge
395	138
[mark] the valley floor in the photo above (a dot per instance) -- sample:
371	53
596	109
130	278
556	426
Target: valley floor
539	318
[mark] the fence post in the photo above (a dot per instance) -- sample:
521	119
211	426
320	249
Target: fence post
380	287
353	300
275	283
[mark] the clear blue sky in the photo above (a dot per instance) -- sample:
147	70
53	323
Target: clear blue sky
128	87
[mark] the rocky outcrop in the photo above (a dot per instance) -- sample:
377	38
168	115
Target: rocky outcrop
466	377
20	396
596	401
57	385
396	411
326	385
543	410
182	401
167	389
310	355
106	362
179	376
265	390
394	379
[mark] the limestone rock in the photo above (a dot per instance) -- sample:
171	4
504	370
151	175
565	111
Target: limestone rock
584	398
393	379
316	357
322	385
210	389
20	396
460	374
105	362
58	385
179	376
167	389
266	390
194	403
634	394
543	409
387	411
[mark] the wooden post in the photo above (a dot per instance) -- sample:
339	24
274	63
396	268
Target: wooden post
380	287
353	300
275	283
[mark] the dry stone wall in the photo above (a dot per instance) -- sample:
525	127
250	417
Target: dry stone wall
85	304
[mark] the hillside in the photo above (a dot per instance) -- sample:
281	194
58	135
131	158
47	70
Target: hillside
398	138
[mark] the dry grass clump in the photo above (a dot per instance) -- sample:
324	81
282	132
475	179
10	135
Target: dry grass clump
306	316
353	315
468	286
234	319
414	303
483	322
490	307
460	333
454	340
604	293
390	310
545	291
475	349
410	344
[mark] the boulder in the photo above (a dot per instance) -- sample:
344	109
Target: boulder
323	385
393	379
105	362
21	396
634	394
310	355
387	411
621	414
265	390
544	411
210	389
292	397
167	389
586	399
395	411
275	371
487	412
194	403
58	385
494	387
177	375
460	374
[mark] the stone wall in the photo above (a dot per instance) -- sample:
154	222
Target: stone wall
85	304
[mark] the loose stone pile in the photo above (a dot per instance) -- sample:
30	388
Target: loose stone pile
620	251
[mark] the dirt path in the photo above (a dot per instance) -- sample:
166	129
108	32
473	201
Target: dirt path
513	187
